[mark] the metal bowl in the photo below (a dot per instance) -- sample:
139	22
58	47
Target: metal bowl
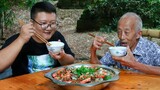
87	86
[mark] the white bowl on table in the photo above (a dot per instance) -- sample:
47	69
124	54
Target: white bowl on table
55	47
118	50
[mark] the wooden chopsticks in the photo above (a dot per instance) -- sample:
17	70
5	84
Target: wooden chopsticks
105	41
21	22
42	39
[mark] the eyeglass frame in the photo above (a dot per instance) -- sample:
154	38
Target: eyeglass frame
44	24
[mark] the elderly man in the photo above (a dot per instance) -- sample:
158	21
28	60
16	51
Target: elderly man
142	54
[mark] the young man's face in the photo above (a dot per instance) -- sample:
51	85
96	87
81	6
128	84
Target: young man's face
45	24
127	33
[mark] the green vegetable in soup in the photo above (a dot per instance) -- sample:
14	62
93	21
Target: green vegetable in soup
107	77
84	70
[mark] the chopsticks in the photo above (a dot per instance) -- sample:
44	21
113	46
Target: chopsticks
42	39
104	42
21	22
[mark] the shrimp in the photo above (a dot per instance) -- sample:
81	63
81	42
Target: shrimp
85	81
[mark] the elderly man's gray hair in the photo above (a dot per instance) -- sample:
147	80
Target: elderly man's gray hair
138	25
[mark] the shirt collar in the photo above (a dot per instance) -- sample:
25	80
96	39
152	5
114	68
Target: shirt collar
138	50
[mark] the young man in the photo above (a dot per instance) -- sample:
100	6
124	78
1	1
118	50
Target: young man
142	55
34	55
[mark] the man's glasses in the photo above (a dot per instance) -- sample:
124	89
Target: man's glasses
45	26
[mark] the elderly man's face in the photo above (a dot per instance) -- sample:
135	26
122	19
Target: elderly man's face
127	33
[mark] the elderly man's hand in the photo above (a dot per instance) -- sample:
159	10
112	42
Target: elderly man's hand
127	60
98	42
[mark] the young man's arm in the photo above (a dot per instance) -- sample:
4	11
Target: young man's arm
9	53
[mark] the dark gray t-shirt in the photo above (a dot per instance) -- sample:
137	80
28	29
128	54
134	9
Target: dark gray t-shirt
32	49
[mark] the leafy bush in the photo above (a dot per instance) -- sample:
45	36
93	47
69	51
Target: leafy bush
30	3
104	14
6	16
72	4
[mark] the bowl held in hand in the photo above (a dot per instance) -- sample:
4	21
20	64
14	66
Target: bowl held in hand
55	47
118	51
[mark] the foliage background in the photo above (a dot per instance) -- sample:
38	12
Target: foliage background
103	14
98	15
7	15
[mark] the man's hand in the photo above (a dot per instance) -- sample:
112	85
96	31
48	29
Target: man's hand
128	60
58	56
98	42
63	58
26	32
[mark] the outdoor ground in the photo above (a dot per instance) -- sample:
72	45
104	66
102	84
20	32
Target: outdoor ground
67	18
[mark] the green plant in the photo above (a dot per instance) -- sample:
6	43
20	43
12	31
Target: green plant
6	12
106	29
103	14
6	16
30	3
72	4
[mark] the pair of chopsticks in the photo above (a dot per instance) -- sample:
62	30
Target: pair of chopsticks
21	22
104	42
42	39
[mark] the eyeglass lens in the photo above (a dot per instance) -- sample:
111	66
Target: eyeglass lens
45	26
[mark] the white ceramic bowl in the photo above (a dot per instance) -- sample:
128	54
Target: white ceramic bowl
55	46
118	50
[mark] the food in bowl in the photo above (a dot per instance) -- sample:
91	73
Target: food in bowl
118	51
83	76
55	46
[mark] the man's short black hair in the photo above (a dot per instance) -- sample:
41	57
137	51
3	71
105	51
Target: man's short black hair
42	7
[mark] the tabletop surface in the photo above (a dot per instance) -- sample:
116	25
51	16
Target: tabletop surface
127	81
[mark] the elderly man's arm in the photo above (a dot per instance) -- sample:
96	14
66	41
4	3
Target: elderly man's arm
97	44
147	68
130	61
93	58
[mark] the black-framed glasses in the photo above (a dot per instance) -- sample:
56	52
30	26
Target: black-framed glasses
45	26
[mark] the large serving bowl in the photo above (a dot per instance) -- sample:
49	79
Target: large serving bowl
87	86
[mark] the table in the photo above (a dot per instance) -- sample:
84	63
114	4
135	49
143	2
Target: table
36	81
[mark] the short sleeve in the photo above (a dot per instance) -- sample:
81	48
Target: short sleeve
107	60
